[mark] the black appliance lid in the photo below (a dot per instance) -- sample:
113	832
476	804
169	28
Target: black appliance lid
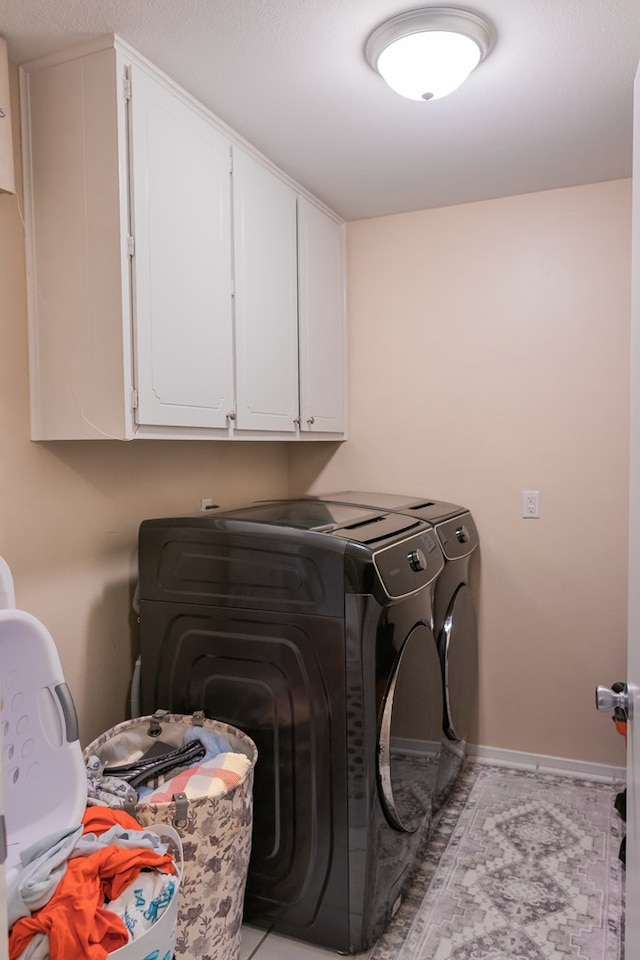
432	511
360	524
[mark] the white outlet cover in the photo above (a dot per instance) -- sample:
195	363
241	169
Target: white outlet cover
531	504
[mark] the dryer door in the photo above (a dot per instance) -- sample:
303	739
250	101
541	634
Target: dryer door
458	643
410	732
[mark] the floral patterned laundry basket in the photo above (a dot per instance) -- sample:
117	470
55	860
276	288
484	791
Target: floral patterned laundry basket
215	833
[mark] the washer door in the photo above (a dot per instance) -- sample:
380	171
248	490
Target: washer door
410	732
458	645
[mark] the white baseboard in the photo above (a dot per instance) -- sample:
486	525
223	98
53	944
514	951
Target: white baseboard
544	764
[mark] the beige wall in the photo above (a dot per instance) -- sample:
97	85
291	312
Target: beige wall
488	354
69	512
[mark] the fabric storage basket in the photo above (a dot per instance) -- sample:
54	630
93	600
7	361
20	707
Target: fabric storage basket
215	833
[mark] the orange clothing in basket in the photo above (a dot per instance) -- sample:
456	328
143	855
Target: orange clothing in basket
75	920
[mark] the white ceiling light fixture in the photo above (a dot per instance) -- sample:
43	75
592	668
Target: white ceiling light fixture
427	53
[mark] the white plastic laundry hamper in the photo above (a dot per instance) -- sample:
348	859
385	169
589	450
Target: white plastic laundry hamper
44	778
215	833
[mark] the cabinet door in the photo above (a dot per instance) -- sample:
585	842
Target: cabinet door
322	324
181	213
265	297
74	128
7	182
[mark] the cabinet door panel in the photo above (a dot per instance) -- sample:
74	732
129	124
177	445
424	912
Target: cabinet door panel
322	330
181	208
7	180
265	297
78	277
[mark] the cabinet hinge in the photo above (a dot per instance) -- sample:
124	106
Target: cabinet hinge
131	245
126	85
134	399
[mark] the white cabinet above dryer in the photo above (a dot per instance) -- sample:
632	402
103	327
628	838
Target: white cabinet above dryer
171	293
7	179
180	230
321	286
266	310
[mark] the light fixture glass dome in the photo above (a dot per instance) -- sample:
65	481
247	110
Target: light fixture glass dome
427	53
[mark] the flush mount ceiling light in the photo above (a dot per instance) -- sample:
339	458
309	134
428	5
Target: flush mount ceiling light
427	53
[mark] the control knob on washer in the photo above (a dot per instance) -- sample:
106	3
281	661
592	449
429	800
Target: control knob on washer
417	560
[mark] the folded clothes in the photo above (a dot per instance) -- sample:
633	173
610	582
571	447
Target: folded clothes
214	743
209	779
141	773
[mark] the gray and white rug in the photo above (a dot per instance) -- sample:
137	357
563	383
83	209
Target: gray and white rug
521	866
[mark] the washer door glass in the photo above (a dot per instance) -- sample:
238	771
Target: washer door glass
458	643
410	732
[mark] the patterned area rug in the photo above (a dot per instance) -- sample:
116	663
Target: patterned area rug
521	866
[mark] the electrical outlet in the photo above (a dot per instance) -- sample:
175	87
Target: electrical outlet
531	504
207	504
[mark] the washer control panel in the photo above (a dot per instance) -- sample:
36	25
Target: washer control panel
409	565
458	536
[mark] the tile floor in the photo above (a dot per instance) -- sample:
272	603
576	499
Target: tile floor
258	945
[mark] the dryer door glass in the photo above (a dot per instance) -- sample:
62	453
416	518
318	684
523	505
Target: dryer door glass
410	732
458	643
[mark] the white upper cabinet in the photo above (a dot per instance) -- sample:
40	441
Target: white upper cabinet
7	182
179	285
266	297
181	225
321	298
78	276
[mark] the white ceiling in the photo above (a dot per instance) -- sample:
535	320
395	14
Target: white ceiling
550	106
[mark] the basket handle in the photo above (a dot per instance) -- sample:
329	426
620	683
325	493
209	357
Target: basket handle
69	714
182	808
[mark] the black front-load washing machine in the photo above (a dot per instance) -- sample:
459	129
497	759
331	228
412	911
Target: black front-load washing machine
454	617
303	623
